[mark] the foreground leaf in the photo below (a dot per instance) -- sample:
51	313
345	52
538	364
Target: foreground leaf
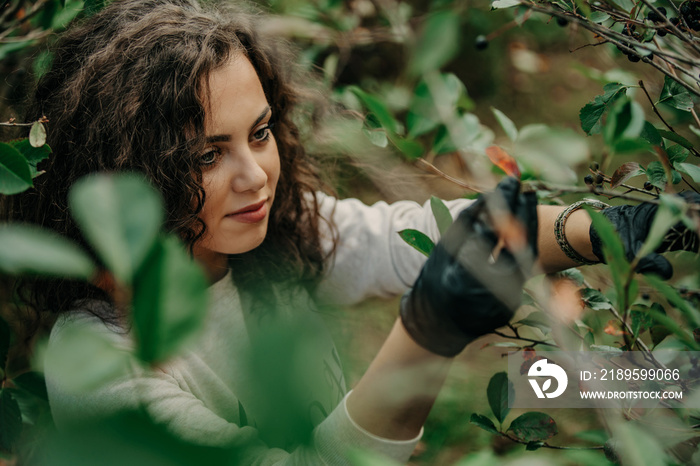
442	214
28	249
120	215
15	175
34	383
418	240
534	427
170	300
500	389
34	155
483	422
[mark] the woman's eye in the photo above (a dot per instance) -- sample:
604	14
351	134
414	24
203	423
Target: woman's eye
209	157
262	134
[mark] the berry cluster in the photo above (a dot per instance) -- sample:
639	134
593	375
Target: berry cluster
629	30
690	11
659	18
596	179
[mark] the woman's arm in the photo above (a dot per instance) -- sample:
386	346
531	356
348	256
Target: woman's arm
551	257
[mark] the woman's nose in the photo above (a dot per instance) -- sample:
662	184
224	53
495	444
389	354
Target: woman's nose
249	174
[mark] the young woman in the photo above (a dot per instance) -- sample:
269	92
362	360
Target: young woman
193	99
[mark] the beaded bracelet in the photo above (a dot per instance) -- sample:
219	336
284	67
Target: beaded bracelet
560	224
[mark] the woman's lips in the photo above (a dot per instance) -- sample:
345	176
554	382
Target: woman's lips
252	214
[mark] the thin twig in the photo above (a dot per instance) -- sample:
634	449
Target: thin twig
424	164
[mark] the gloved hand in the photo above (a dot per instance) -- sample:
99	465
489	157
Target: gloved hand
462	293
633	224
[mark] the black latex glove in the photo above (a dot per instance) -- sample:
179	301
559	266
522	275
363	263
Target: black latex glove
461	292
633	224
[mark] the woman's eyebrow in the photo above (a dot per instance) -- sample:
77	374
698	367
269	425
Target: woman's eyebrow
226	137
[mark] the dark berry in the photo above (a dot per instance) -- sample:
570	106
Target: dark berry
588	179
694	24
648	186
594	166
633	58
683	290
599	179
645	296
675	21
562	21
599	187
661	32
481	42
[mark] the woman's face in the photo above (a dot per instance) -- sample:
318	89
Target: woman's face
240	164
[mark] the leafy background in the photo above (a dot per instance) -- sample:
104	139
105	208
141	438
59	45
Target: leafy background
545	97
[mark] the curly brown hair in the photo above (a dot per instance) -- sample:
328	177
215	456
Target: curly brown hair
126	92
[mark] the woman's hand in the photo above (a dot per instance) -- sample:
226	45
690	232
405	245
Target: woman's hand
462	291
633	224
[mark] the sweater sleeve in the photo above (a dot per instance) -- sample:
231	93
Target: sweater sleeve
169	397
371	259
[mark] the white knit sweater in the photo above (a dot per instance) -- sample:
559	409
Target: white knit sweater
205	396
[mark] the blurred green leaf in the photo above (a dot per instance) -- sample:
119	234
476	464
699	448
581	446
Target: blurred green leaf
501	4
442	214
37	134
625	121
93	6
29	249
410	148
42	63
675	95
657	175
677	153
120	215
418	240
15	175
673	297
170	300
10	420
483	422
595	299
635	447
689	169
358	457
651	134
438	42
445	94
500	389
34	155
506	123
376	137
537	319
71	9
677	138
34	383
378	108
631	146
534	426
591	114
668	214
86	356
550	152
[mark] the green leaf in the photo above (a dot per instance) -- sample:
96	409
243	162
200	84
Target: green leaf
689	169
656	174
442	214
677	138
591	114
170	300
651	134
595	299
10	420
673	297
377	137
28	249
34	383
668	214
410	148
613	250
534	427
641	321
676	95
418	240
37	135
671	326
5	336
120	215
538	320
93	6
506	123
483	422
500	389
15	175
625	121
71	9
42	64
631	146
501	4
33	155
438	42
378	108
445	94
